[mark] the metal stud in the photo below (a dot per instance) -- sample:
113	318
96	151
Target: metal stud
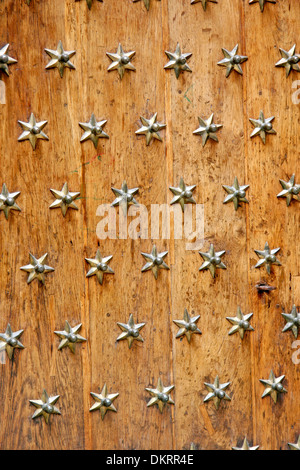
104	401
160	395
99	266
178	61
289	60
37	268
246	446
124	197
232	61
292	321
60	59
89	3
204	2
9	341
262	126
212	260
131	331
5	60
187	326
155	261
240	323
273	386
146	2
33	131
216	392
121	61
295	446
64	199
267	258
183	194
207	129
236	194
8	201
45	406
93	130
150	128
290	190
69	337
261	3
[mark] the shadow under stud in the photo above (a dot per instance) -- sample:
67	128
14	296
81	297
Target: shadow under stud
93	130
99	266
130	331
6	60
150	129
121	61
45	406
160	395
60	59
37	268
8	201
155	261
232	61
104	401
178	61
33	131
207	129
64	199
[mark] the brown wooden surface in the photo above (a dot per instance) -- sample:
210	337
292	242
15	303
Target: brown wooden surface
40	310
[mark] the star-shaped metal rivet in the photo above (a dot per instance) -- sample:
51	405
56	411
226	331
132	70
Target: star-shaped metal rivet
93	130
90	2
216	392
60	59
45	406
33	131
246	446
292	321
183	194
37	268
262	126
104	401
131	331
178	61
187	326
9	341
236	194
99	266
267	258
295	446
207	129
155	261
204	2
160	395
262	3
240	323
232	61
146	2
121	61
290	190
289	60
212	260
8	201
273	386
69	337
124	197
5	60
64	199
150	128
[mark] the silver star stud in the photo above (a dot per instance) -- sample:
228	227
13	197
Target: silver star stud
131	331
187	326
236	194
45	406
232	61
93	130
125	197
69	337
289	60
290	190
8	201
246	446
178	61
292	321
150	128
99	266
160	395
273	386
204	2
121	61
212	260
33	131
104	401
262	3
60	59
64	199
9	341
217	392
267	258
146	2
155	261
295	446
207	129
183	194
5	60
90	2
240	323
37	268
262	126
